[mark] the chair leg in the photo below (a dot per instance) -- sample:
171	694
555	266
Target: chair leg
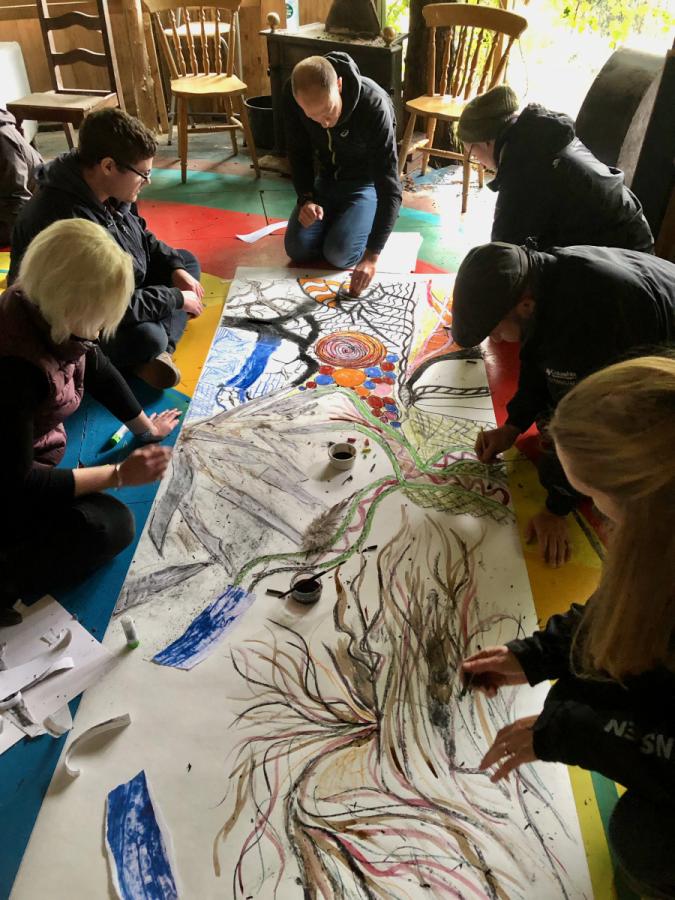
249	135
431	130
70	134
406	142
481	176
466	174
183	137
230	117
171	116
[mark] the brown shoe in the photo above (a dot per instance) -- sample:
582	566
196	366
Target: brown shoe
160	373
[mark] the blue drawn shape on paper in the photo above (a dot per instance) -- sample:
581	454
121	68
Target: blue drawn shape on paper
370	385
142	870
374	372
206	630
324	379
391	357
254	366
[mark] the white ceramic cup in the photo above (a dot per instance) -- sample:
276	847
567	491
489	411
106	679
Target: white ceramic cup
342	456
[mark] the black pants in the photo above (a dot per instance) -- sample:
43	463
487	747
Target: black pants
43	549
642	838
138	343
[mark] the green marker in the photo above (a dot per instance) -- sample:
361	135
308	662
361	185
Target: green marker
121	432
130	632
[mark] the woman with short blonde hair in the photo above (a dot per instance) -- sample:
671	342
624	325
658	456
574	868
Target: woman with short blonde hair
57	525
612	709
104	271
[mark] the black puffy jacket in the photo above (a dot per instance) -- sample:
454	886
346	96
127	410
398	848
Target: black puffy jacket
64	194
360	147
553	189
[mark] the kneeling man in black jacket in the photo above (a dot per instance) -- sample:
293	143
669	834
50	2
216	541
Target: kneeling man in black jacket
576	310
100	181
344	121
550	185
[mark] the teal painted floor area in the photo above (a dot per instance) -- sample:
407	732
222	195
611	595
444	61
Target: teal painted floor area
26	769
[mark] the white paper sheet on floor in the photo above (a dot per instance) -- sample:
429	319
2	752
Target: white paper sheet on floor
44	623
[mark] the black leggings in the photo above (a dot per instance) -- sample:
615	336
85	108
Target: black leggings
642	838
45	549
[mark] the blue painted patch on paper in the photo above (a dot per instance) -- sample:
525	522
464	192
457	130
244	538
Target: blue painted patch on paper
204	632
136	844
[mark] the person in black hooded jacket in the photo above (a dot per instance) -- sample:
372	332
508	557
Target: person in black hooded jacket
575	310
100	181
550	186
344	122
612	709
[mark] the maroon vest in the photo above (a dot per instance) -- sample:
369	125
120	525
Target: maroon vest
25	334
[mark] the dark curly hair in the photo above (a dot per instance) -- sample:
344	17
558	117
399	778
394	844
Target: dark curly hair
114	133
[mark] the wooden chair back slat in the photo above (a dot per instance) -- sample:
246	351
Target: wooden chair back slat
197	35
501	64
178	49
205	47
80	54
459	60
431	64
232	43
67	20
194	67
488	68
473	56
445	62
471	71
219	58
56	59
165	47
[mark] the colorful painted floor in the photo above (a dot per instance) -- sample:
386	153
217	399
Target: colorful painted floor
204	216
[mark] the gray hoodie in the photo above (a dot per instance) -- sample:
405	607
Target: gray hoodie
18	161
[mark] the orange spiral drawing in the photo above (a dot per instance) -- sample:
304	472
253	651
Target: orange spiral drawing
350	350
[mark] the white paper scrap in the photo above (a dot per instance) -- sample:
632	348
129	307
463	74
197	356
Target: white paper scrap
59	722
114	724
400	252
25	641
262	232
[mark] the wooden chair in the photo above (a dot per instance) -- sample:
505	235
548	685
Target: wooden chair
470	57
71	105
203	73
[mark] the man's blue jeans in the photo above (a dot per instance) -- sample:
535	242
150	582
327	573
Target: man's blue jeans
340	237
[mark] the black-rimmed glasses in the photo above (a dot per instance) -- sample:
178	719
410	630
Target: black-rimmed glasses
146	176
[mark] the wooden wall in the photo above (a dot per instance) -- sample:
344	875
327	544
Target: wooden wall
18	22
314	11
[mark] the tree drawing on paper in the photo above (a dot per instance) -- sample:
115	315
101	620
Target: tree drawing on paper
359	377
358	769
352	763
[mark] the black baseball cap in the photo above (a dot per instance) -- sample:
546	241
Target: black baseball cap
489	284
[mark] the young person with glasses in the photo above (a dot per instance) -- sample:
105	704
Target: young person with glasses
101	181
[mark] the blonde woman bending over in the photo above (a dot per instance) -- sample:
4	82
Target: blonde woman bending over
612	709
56	526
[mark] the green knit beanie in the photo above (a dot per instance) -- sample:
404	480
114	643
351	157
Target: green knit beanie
484	117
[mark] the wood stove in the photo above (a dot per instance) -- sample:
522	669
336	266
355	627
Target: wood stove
379	60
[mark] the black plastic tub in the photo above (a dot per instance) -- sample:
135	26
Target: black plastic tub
262	121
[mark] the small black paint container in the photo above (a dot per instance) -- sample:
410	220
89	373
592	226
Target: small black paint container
342	456
305	590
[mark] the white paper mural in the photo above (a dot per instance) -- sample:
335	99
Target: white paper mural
327	750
